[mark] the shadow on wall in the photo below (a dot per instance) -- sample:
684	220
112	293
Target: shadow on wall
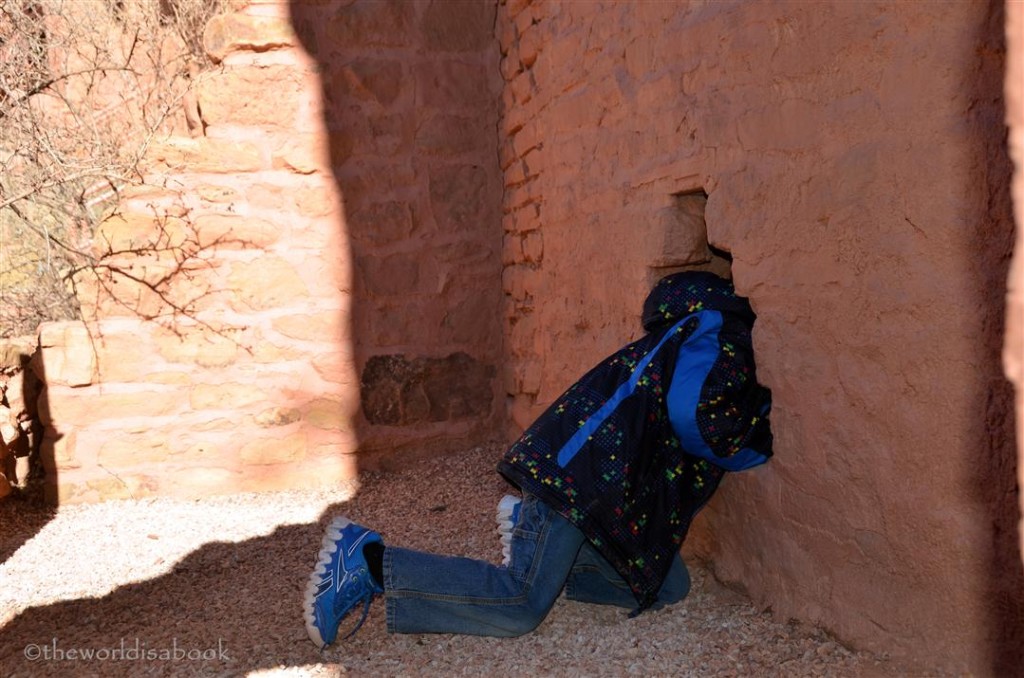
996	460
410	118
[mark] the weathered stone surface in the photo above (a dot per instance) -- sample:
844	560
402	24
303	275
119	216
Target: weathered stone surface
393	275
381	223
269	282
132	450
447	83
458	26
66	354
232	231
324	326
329	414
224	396
278	416
64	407
199	345
289	449
238	96
447	134
461	197
227	33
397	390
207	154
371	80
371	24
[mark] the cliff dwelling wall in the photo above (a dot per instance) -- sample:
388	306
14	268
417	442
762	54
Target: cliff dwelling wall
857	174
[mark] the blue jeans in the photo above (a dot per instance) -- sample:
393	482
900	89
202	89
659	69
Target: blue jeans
427	593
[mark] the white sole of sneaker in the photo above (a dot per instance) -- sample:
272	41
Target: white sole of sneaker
505	525
328	546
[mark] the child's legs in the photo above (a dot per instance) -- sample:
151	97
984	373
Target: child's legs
427	593
593	580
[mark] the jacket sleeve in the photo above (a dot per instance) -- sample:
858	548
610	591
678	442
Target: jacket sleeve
716	407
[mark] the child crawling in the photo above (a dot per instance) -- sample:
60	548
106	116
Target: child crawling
611	477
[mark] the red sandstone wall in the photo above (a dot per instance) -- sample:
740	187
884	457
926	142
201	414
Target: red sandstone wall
338	199
854	163
411	93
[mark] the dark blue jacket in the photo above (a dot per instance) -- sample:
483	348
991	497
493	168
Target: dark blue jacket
637	446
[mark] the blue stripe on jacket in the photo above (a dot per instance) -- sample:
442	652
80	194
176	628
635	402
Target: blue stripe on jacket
702	348
697	355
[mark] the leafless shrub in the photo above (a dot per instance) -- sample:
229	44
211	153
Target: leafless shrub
85	87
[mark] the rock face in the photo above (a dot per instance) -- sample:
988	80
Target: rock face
333	211
859	178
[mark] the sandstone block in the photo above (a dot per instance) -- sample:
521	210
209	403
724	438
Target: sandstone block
373	80
382	223
530	45
277	416
335	367
445	83
58	450
397	390
239	96
370	24
533	247
217	194
228	33
302	154
267	352
130	232
232	231
224	396
448	134
328	414
261	451
119	358
461	197
123	487
317	200
394	275
458	26
522	88
473	320
132	450
205	155
325	326
268	282
197	345
66	354
512	249
66	409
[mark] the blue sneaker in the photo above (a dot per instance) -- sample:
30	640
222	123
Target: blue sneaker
507	517
339	582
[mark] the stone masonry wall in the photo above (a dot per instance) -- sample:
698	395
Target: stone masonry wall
411	94
326	223
857	174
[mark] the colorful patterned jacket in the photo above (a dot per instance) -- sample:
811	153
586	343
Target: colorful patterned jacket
636	447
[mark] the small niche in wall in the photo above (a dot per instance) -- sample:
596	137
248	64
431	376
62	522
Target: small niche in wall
681	240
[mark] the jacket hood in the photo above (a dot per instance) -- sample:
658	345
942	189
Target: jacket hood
680	294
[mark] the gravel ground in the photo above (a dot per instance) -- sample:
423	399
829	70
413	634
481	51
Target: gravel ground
214	587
